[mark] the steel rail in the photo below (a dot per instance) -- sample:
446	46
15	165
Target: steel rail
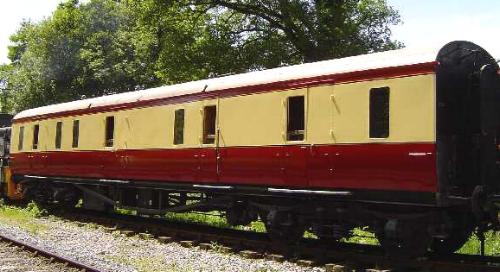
49	255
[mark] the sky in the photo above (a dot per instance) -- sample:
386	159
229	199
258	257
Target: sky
12	13
426	23
437	22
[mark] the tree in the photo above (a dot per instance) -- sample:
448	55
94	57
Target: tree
316	30
185	43
189	42
193	39
81	50
101	47
5	75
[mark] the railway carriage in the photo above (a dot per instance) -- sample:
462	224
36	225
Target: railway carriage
404	141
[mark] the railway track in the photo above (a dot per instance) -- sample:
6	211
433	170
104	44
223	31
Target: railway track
310	252
19	256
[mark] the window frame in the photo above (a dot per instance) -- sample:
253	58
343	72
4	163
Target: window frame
58	138
382	124
178	127
36	135
290	131
109	138
208	138
20	140
76	134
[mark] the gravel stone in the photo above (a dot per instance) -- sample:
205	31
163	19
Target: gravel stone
115	252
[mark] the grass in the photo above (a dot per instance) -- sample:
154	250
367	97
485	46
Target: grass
23	217
148	264
256	226
491	247
218	247
361	236
212	218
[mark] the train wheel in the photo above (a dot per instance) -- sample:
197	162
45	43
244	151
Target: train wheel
70	202
332	234
452	243
405	239
461	229
405	247
284	227
40	195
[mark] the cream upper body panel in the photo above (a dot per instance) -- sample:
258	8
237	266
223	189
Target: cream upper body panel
334	114
411	108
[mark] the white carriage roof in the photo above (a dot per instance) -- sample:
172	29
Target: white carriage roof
393	58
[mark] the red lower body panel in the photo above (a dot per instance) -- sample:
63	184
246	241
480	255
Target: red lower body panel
398	167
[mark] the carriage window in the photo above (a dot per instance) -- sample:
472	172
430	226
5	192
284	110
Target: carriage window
110	131
21	139
379	112
76	133
179	127
36	130
295	119
209	119
58	134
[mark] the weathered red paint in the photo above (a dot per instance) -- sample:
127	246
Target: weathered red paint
388	72
399	167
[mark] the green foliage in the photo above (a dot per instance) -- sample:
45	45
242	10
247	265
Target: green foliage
312	30
125	211
81	50
35	210
188	43
218	247
213	219
5	75
361	236
23	217
257	226
492	245
101	47
147	264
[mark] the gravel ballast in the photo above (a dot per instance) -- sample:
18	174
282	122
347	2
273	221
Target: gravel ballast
115	252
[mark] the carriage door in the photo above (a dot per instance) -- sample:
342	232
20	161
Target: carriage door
294	153
322	152
207	155
38	158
